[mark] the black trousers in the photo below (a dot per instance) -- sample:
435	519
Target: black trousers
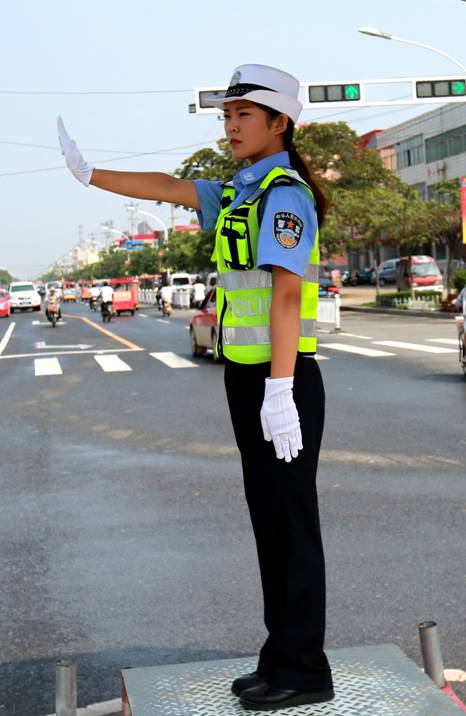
282	501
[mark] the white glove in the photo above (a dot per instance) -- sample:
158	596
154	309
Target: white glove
280	419
73	157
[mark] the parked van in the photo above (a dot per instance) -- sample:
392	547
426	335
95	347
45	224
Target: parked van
386	272
420	273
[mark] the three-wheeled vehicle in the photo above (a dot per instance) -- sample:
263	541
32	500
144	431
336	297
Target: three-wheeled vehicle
68	289
125	295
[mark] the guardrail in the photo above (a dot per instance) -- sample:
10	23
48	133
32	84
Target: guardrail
328	311
147	295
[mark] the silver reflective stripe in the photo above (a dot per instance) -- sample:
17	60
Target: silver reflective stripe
311	273
260	335
308	328
246	335
240	280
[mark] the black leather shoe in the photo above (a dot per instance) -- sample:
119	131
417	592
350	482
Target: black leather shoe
248	681
267	698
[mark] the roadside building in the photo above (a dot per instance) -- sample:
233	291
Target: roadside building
425	150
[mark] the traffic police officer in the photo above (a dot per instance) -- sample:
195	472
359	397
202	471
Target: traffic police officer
267	254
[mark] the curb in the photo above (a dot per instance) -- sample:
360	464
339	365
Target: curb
405	314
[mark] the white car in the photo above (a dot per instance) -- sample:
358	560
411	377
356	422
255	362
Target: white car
23	295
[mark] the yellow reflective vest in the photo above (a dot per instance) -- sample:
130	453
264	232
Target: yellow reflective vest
244	292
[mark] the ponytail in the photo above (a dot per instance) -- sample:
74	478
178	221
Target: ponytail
300	165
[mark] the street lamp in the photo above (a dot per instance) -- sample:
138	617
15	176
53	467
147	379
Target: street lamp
107	229
134	209
374	32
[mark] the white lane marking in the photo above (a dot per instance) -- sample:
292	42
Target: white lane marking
174	361
142	315
162	320
455	675
43	344
346	348
6	337
47	323
47	366
448	341
414	347
354	335
71	353
321	357
112	363
101	709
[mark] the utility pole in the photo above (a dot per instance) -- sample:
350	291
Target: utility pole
132	210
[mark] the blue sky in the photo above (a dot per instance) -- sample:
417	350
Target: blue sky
110	45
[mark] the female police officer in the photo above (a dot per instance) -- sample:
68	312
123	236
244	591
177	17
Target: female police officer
267	256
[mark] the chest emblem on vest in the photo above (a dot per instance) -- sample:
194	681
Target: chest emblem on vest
287	229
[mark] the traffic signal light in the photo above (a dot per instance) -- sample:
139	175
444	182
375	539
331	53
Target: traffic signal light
202	95
441	88
335	93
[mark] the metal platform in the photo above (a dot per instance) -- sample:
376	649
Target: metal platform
369	681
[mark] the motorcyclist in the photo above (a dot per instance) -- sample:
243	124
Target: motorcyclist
106	296
94	292
166	295
198	292
53	298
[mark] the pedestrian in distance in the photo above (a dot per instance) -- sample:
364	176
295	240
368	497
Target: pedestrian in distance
267	254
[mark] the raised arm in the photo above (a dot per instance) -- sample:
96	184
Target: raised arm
155	186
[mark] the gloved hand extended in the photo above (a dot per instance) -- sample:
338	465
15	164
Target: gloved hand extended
280	419
73	157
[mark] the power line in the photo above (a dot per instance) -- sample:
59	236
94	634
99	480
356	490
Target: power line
107	161
94	92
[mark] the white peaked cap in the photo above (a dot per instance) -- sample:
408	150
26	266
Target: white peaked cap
264	85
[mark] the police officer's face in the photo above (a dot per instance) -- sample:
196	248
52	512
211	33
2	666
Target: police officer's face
251	132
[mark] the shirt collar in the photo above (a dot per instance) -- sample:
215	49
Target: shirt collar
256	172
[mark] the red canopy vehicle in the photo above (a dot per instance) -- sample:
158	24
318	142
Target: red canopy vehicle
4	303
125	295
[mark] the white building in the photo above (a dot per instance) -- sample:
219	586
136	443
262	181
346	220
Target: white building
427	148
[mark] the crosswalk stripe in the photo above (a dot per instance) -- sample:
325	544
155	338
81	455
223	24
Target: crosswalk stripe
414	347
355	335
112	363
47	366
319	357
358	350
174	361
448	341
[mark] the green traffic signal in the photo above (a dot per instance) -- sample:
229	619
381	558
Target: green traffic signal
458	88
334	93
352	92
440	88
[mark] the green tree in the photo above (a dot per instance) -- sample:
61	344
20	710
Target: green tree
187	251
146	261
5	277
112	264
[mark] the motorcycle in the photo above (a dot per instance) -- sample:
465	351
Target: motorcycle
166	308
93	303
106	311
53	313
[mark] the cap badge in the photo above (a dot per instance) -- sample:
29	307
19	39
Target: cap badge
236	79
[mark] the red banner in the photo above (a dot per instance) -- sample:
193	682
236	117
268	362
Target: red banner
463	205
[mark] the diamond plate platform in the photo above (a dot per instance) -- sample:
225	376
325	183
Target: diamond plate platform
369	681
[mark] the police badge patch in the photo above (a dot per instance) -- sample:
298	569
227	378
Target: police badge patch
287	229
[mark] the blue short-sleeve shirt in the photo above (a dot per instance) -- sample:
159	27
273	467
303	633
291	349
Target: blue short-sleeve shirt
288	224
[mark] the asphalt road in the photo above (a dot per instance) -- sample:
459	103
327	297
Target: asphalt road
125	538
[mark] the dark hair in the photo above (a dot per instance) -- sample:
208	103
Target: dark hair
300	165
